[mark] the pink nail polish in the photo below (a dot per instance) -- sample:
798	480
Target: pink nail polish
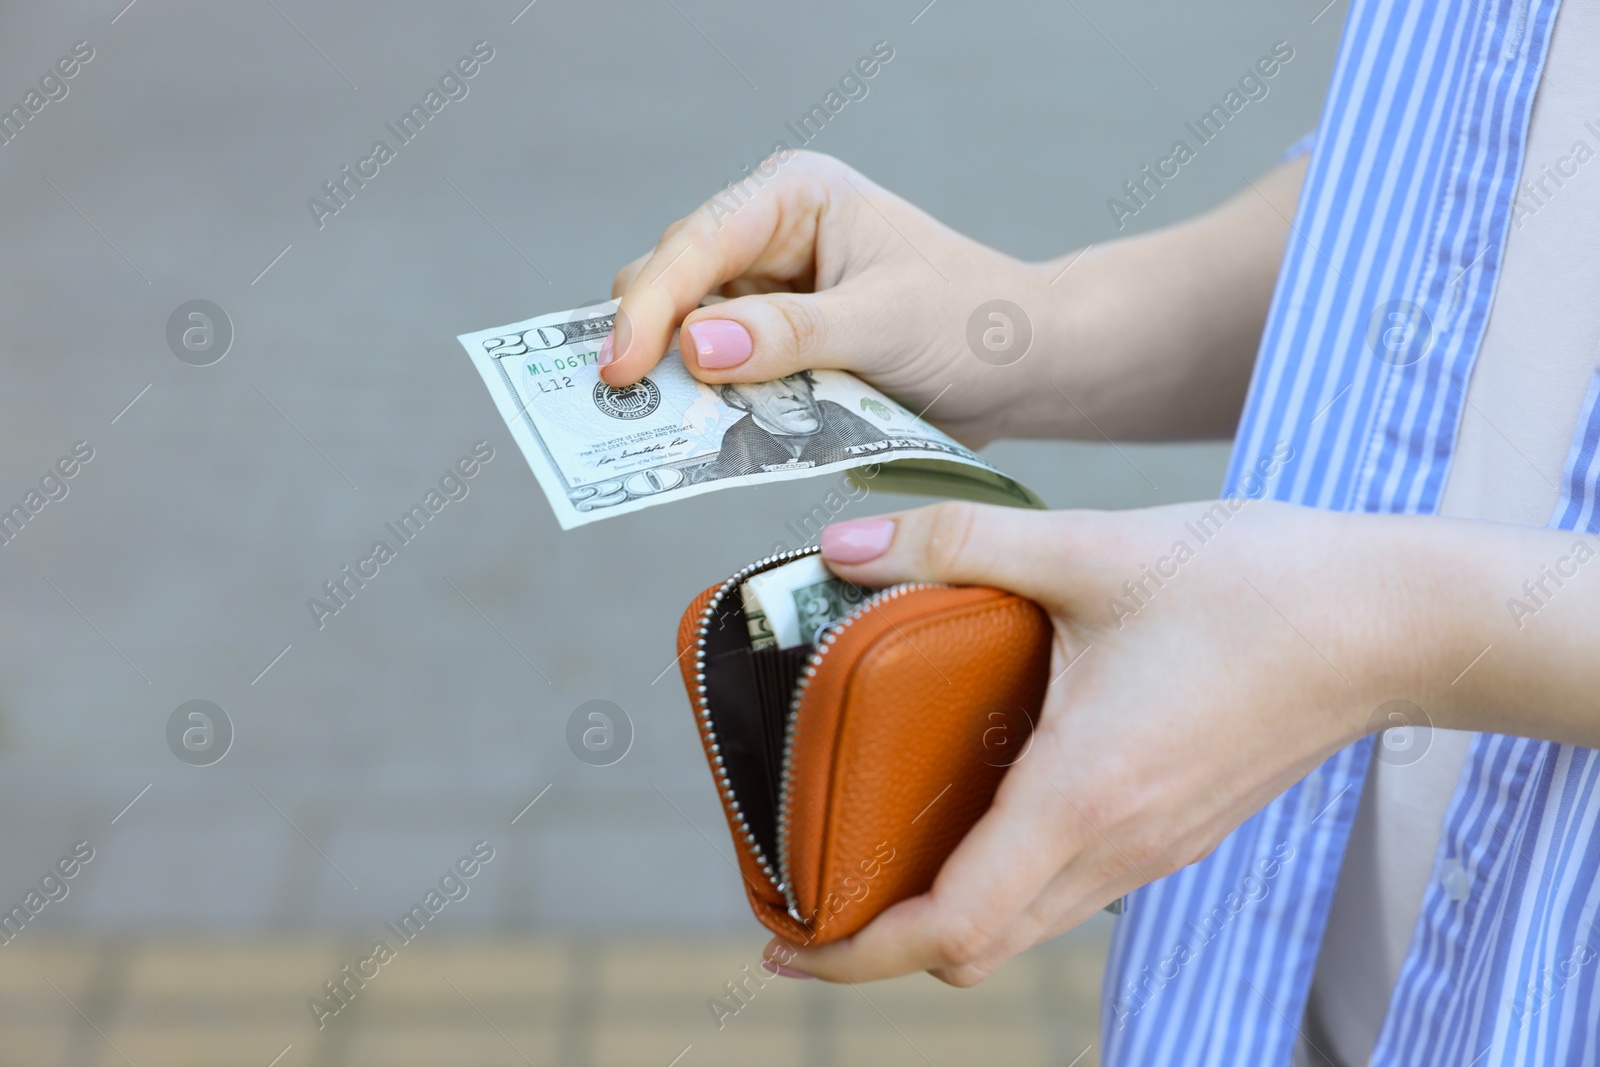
720	343
607	349
779	969
858	540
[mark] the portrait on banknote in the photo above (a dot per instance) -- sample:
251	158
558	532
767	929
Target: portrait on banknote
785	427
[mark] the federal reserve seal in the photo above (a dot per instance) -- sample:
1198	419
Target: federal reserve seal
630	402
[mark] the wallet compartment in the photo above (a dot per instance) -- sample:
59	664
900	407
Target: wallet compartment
748	695
742	700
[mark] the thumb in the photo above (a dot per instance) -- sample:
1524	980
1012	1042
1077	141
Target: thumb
955	543
757	338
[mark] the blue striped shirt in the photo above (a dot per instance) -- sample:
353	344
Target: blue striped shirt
1380	310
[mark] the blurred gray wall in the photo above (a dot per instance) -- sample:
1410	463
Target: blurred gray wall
429	712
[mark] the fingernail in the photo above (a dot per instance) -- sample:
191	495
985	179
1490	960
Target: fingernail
720	343
608	350
858	540
781	970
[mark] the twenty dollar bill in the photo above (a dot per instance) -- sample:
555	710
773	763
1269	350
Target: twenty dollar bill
791	605
599	451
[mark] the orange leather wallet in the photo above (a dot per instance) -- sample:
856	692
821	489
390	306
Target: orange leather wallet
850	769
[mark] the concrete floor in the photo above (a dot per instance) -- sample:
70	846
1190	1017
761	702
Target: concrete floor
424	717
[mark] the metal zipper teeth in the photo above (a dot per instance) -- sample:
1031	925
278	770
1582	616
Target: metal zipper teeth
703	707
785	881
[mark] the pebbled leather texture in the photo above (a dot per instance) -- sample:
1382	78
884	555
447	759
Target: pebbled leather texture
902	736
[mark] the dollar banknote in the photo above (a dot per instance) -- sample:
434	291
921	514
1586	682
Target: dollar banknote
755	620
599	451
790	605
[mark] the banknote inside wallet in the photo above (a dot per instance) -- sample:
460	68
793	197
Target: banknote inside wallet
750	694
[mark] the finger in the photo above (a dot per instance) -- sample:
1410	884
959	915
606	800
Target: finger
1104	871
627	274
970	906
758	338
1066	903
777	956
1096	862
1027	552
695	256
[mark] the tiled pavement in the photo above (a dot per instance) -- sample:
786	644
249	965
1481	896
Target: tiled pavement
512	1001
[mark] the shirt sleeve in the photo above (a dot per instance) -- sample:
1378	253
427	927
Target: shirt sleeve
1300	147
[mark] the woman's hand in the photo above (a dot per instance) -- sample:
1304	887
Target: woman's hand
825	269
1144	337
1207	656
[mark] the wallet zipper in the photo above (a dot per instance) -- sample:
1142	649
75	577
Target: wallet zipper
703	704
785	882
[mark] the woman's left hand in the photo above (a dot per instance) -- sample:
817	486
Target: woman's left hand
1207	656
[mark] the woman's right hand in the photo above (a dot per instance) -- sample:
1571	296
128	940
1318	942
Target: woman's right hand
823	268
